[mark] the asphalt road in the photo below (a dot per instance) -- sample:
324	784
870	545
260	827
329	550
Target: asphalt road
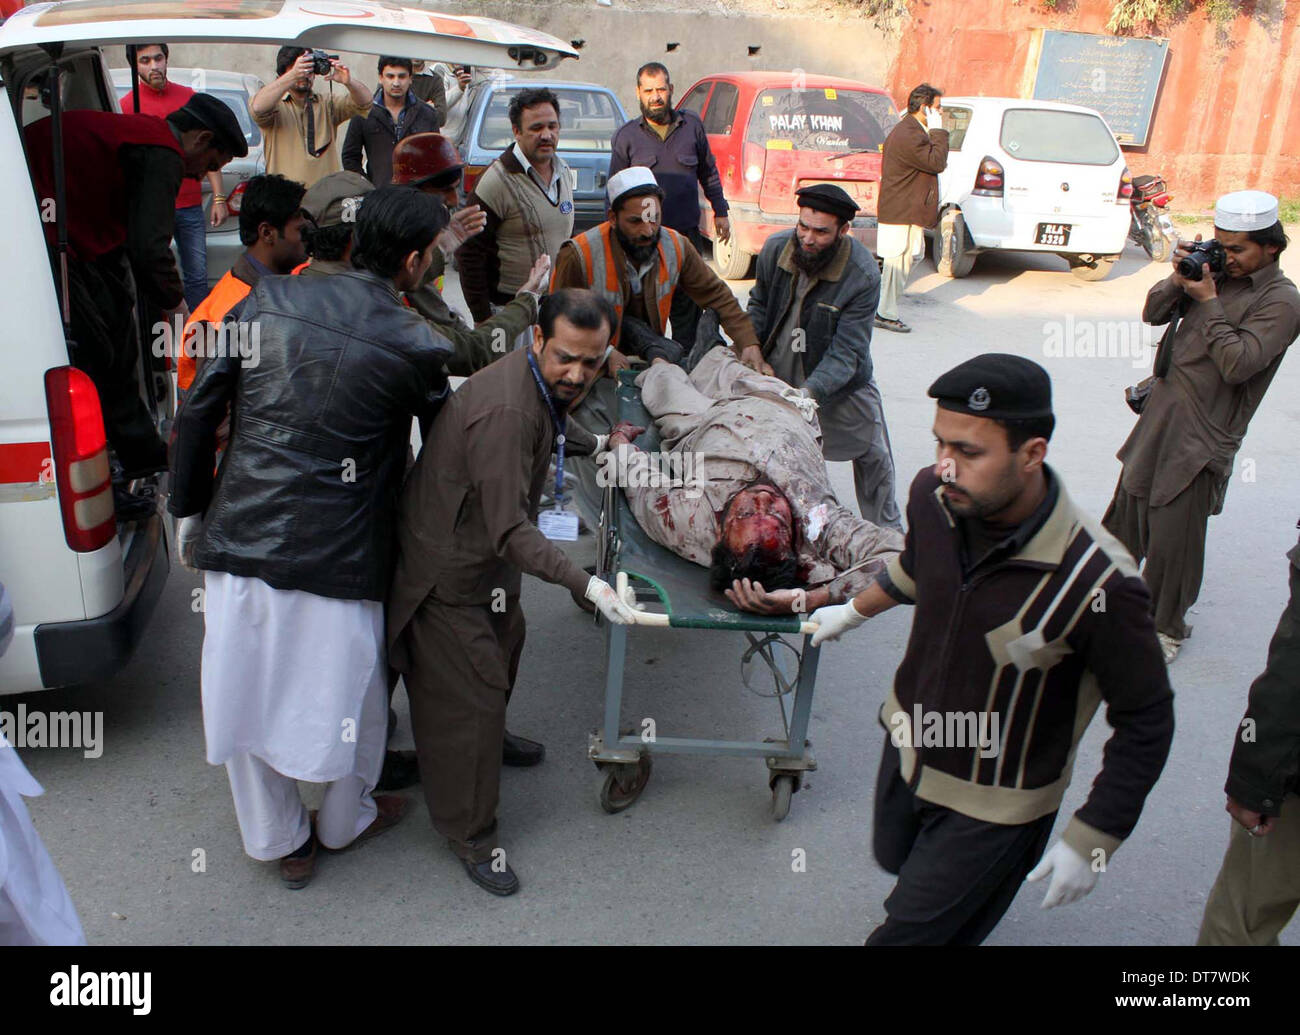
697	859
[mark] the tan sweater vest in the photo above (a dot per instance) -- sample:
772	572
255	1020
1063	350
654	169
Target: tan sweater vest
530	225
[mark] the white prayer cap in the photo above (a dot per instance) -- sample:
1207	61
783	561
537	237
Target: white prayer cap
632	178
1245	210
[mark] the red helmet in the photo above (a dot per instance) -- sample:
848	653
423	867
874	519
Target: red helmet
424	156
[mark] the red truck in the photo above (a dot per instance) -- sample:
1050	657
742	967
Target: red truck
775	132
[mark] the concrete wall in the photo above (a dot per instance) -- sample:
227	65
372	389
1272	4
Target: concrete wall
622	37
1224	118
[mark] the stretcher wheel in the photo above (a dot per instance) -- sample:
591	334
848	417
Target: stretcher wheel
782	789
623	784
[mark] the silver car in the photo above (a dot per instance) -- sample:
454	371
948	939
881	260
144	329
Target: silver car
237	90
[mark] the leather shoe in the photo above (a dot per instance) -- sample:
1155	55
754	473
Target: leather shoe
520	751
482	874
893	325
391	810
401	769
296	871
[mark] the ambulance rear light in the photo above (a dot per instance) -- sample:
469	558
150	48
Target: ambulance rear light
80	448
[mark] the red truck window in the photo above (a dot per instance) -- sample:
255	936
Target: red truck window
820	119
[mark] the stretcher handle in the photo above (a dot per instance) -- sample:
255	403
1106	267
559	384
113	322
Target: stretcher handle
652	618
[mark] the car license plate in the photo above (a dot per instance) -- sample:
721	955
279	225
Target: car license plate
1057	234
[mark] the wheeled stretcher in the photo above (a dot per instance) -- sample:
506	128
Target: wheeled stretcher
675	594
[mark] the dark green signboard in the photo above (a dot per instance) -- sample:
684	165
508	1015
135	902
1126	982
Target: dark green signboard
1117	76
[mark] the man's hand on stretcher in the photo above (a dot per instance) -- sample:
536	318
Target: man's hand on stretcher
751	596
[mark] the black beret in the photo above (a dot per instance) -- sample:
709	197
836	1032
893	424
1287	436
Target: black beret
217	116
826	197
996	385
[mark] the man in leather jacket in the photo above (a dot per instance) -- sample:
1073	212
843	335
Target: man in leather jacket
295	531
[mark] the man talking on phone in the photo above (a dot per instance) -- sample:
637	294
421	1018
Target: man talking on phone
913	156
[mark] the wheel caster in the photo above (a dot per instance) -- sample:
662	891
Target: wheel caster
782	789
624	783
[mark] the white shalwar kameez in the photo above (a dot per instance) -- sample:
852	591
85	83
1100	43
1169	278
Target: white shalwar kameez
34	905
294	688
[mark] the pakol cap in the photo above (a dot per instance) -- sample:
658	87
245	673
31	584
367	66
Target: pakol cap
334	199
629	182
996	385
1245	210
217	116
826	197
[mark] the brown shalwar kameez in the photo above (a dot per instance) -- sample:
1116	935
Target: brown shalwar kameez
455	627
1179	456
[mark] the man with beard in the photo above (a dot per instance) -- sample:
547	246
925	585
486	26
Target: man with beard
813	305
157	95
639	267
675	146
1028	616
465	538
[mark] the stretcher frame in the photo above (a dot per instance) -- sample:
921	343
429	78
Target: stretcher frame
645	573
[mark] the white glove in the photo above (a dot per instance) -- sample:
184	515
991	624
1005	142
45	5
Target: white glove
803	402
834	620
607	600
933	118
1072	877
188	532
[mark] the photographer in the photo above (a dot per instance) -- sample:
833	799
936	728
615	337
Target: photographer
1232	316
300	120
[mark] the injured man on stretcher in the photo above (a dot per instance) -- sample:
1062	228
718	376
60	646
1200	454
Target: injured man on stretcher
739	486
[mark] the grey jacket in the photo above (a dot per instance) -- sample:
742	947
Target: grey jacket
838	313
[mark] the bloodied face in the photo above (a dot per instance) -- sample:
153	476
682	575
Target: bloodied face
759	517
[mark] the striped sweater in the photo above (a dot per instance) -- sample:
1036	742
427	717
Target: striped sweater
1025	645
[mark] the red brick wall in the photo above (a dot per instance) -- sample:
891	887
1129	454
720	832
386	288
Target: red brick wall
1223	119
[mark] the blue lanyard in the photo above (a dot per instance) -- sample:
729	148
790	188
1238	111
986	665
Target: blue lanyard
558	421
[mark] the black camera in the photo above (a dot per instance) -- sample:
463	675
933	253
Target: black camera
320	62
1211	251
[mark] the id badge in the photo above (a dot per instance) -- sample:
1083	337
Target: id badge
560	525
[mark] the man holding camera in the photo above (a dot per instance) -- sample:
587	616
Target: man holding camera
299	120
1232	316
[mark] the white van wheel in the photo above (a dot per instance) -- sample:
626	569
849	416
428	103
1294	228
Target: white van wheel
952	257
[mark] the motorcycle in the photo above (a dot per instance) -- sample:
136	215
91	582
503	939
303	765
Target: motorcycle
1151	226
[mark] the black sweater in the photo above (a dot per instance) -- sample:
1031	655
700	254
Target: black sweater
1028	640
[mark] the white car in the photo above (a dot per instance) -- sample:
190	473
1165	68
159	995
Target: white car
1032	176
83	584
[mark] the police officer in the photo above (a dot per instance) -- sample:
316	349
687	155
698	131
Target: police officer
1028	615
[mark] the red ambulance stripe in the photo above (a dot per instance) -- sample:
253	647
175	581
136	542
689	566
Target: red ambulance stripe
22	462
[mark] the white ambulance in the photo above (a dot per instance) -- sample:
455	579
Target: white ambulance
82	584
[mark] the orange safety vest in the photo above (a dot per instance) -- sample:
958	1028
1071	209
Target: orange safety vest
602	273
227	293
